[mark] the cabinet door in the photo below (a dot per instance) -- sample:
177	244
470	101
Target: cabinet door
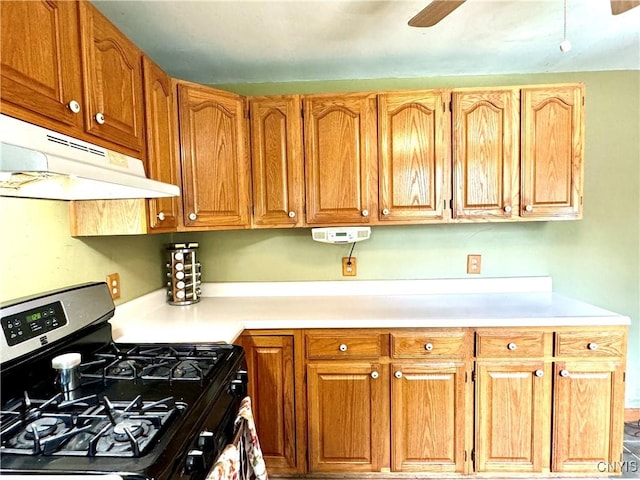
512	416
428	417
40	61
552	143
340	158
161	136
415	140
215	166
588	420
270	361
112	74
348	407
277	163
485	153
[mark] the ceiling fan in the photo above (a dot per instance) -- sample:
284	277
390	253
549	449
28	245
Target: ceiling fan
439	9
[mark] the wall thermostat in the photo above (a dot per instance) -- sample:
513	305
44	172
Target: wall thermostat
340	234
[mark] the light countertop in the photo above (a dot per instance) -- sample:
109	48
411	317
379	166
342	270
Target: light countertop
225	310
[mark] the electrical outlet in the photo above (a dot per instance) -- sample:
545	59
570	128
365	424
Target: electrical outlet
474	264
348	266
113	280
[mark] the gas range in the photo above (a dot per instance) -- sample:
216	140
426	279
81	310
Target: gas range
150	411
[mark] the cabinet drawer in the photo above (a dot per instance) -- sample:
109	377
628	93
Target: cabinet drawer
344	345
510	345
589	344
425	344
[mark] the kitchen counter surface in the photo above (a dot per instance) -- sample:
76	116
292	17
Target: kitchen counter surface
225	310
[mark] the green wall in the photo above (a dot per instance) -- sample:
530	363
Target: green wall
596	259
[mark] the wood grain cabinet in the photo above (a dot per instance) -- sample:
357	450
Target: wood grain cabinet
340	158
216	176
414	137
277	161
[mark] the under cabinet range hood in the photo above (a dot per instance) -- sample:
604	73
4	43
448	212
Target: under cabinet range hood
38	163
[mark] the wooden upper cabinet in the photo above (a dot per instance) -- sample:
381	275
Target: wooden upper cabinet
216	177
552	150
277	161
414	145
161	138
340	158
41	63
112	73
485	153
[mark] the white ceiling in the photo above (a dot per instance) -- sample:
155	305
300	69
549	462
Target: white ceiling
239	41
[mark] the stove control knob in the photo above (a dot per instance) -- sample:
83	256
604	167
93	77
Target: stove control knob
195	461
205	441
242	375
238	388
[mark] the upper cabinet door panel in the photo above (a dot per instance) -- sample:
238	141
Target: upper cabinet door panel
340	157
414	155
41	61
215	167
112	69
485	152
277	161
552	143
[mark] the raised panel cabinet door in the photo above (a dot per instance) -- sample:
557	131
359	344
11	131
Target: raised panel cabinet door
348	409
340	158
414	144
512	416
40	58
588	416
552	151
485	153
215	168
428	417
161	138
112	73
277	161
270	362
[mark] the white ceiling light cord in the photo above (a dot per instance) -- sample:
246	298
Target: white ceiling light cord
565	45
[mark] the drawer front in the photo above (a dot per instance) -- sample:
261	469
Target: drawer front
344	346
510	345
428	344
589	344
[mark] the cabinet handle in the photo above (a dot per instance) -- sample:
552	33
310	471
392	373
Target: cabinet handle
161	216
592	346
398	374
507	209
343	347
192	216
512	346
564	373
74	106
428	347
528	208
365	213
539	373
100	118
385	211
292	214
374	374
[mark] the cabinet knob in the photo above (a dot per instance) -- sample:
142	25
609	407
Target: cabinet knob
507	209
374	374
365	213
428	347
528	208
592	346
564	373
343	347
385	211
539	373
292	214
161	216
512	346
74	106
398	374
100	118
192	216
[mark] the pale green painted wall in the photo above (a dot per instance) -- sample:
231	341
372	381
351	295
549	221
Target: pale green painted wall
596	259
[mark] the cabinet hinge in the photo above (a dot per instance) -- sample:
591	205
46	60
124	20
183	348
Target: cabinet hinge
465	455
473	455
450	107
580	199
473	379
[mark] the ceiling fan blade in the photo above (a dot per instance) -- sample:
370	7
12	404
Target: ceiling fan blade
621	6
434	12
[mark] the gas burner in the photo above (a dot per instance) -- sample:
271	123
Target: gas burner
187	369
41	427
122	369
126	429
